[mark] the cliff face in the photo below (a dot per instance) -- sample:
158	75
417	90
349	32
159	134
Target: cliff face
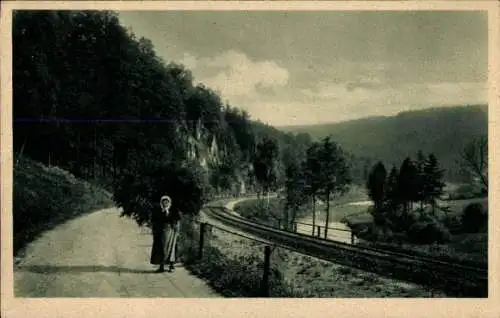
205	149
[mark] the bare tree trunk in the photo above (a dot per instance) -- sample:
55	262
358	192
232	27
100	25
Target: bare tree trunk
294	217
268	194
327	222
314	213
285	218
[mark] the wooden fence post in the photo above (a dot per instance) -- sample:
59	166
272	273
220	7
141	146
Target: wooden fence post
319	231
295	227
265	276
202	240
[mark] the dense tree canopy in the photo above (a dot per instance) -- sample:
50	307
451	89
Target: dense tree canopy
377	184
393	195
91	97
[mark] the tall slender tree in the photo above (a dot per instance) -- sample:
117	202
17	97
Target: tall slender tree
433	185
377	185
312	170
420	180
408	184
334	176
295	194
393	194
264	163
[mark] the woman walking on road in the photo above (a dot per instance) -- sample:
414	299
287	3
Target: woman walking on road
165	226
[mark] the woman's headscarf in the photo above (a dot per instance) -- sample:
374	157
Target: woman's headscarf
169	202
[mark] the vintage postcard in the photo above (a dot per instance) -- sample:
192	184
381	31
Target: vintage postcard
249	158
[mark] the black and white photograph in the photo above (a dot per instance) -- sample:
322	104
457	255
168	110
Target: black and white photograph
250	153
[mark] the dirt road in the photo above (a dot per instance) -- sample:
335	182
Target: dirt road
99	255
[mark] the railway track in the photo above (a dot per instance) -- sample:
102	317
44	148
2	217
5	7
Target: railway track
457	280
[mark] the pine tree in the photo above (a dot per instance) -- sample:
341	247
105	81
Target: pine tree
433	185
334	174
393	194
407	184
420	181
377	184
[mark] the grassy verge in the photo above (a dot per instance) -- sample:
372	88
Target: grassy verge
258	210
232	265
44	197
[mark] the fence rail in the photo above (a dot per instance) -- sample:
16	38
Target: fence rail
294	228
316	229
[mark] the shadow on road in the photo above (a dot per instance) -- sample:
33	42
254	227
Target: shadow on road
47	269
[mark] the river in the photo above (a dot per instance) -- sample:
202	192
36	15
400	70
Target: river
337	231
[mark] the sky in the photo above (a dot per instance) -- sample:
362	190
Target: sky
299	68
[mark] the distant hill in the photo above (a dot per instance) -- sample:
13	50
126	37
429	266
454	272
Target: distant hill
442	131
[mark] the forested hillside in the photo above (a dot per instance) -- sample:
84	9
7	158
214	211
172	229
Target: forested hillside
442	131
92	98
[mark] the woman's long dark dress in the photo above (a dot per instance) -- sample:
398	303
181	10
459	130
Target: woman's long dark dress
165	231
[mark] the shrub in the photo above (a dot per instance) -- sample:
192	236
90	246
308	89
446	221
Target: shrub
374	232
453	223
379	215
188	239
474	218
237	276
185	184
401	221
428	230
